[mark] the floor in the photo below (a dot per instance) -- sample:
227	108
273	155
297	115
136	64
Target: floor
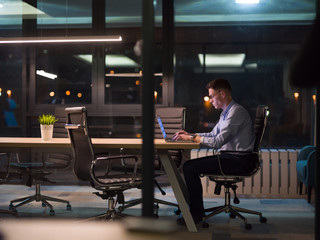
287	218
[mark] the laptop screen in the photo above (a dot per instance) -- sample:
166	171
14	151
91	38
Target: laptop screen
161	127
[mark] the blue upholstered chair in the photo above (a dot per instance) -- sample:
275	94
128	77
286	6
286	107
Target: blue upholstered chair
306	168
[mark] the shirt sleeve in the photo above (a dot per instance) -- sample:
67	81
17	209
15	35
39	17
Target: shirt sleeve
228	129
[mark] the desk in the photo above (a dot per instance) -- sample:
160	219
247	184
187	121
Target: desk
15	144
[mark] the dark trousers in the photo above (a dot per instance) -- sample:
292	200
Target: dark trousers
209	165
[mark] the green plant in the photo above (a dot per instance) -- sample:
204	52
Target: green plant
47	119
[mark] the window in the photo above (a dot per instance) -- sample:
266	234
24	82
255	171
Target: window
63	74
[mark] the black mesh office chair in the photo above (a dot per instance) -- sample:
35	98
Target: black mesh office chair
173	119
4	176
230	181
42	165
88	164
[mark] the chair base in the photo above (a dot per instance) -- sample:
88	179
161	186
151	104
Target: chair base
14	213
233	210
38	197
156	208
111	213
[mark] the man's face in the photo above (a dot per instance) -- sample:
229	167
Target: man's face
216	98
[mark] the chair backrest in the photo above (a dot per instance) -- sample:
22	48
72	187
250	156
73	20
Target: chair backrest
59	127
82	148
260	123
60	160
173	119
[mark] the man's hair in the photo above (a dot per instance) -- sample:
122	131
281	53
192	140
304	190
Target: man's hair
219	83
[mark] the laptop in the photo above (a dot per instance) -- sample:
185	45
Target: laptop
163	131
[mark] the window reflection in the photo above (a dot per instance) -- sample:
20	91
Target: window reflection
261	78
63	75
10	91
124	75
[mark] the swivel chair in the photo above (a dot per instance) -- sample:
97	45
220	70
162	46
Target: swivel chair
306	165
173	119
4	175
230	181
97	168
37	170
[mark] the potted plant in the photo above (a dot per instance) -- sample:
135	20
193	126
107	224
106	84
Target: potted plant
46	125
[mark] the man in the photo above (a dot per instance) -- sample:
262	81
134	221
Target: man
234	132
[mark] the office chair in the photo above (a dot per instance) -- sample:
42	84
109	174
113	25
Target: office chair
230	181
37	171
97	168
173	119
305	166
4	175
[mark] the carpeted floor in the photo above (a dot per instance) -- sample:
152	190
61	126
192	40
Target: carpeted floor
287	218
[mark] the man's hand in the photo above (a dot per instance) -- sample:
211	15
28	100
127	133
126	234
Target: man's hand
182	135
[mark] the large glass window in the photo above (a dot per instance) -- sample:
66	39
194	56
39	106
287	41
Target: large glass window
63	74
11	92
258	74
123	77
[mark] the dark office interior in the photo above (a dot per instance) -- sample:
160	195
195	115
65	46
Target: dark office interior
251	45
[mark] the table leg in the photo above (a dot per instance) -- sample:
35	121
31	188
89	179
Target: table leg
179	189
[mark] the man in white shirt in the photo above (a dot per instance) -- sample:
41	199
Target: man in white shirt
233	132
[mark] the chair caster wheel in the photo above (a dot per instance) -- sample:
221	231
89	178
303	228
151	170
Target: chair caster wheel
205	225
43	204
263	219
231	215
11	207
177	211
247	226
52	212
69	207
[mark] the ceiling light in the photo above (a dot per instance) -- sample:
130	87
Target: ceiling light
247	1
111	60
66	39
46	74
222	60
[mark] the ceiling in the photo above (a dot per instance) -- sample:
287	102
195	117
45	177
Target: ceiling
119	13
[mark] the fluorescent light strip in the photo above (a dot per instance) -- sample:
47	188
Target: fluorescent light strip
46	74
79	39
130	75
223	60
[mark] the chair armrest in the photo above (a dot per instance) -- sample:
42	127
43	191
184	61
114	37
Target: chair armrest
109	159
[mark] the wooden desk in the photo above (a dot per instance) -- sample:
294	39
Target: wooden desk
15	144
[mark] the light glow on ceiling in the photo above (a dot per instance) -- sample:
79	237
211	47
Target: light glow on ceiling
247	1
222	60
16	8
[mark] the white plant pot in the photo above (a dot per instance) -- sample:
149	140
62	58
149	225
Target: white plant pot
46	132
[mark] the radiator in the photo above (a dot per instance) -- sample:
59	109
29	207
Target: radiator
277	175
